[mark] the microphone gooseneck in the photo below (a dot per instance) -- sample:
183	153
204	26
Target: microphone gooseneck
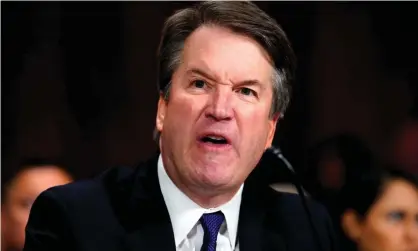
279	155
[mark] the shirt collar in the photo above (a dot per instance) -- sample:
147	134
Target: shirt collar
184	213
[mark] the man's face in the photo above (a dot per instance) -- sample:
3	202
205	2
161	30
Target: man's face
216	125
21	193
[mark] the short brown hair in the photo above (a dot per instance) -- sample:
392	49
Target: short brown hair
241	17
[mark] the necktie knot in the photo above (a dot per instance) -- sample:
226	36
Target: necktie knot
211	223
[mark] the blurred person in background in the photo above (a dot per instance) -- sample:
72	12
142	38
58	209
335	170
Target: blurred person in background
405	147
333	162
379	212
19	190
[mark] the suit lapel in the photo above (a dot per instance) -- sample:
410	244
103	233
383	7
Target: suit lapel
256	231
144	215
147	220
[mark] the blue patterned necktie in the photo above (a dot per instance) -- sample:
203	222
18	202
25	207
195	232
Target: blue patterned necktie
211	224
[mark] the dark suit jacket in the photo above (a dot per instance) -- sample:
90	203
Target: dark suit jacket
123	209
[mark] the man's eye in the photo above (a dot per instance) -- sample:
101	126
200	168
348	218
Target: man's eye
199	83
247	91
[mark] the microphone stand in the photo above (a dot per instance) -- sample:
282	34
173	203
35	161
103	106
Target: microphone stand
295	180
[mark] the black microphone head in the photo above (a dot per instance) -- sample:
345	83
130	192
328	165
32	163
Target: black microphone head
274	149
271	168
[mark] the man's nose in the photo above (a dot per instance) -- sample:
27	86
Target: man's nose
220	104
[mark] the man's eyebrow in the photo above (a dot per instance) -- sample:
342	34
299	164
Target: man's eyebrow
251	82
197	71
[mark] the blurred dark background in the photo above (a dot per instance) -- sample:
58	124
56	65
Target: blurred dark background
79	78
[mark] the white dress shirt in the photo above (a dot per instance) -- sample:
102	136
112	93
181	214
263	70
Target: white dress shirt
185	215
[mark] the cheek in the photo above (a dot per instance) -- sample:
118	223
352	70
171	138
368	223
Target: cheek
381	236
255	123
181	115
254	131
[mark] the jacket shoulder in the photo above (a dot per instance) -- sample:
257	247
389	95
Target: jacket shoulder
86	190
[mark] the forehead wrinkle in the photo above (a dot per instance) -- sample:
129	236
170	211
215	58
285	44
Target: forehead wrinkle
196	56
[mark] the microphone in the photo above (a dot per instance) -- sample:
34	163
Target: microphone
278	155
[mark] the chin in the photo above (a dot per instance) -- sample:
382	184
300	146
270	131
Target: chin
217	178
213	163
215	172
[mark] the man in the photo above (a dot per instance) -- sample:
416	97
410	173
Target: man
19	191
224	71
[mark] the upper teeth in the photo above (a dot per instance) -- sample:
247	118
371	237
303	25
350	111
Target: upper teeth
216	138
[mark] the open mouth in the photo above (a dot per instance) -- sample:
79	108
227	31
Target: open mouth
217	140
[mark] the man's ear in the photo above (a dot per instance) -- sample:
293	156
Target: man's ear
351	224
272	123
161	111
